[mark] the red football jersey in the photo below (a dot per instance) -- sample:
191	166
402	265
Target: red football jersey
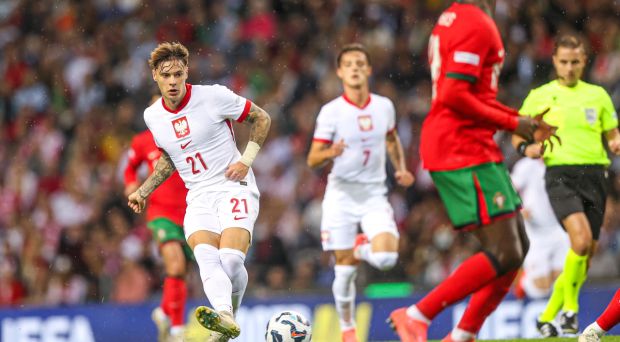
465	44
168	200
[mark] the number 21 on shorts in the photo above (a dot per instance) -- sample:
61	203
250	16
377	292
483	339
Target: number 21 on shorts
239	208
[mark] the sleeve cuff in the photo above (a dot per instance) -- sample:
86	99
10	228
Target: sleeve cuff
245	112
513	122
325	141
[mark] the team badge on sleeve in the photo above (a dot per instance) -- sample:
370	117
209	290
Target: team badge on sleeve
181	127
467	58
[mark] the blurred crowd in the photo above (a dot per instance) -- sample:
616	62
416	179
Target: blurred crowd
75	82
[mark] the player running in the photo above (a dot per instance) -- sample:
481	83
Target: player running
548	243
192	125
354	131
164	215
576	177
466	54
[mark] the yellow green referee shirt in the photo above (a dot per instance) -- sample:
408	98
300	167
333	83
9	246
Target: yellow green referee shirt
582	113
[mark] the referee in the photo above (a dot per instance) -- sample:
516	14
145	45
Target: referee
576	177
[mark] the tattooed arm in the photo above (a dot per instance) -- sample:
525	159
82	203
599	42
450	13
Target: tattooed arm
259	122
163	169
397	157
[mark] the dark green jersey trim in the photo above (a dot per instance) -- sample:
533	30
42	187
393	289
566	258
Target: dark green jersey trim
464	77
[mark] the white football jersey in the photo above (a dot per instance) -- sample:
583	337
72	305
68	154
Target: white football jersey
363	130
528	177
199	138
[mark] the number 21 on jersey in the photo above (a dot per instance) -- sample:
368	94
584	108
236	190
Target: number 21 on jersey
195	167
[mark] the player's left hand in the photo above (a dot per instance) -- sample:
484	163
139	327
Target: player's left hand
614	146
404	178
236	171
545	132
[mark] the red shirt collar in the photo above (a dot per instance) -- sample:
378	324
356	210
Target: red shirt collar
344	96
188	94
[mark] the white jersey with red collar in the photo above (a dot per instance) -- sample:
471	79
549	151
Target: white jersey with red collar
363	130
199	138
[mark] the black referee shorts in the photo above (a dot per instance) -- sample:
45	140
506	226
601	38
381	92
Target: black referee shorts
578	188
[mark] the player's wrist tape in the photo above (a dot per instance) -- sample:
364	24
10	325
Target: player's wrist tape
251	150
522	147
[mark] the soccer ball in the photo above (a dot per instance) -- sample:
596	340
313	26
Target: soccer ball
288	326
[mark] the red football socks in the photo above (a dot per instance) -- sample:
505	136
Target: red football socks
471	275
173	299
484	301
611	316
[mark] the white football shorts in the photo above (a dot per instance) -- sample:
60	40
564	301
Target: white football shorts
547	252
349	205
218	210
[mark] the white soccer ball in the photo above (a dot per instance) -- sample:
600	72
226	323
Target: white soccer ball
288	326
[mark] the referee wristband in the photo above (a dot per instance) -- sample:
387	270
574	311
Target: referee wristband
521	147
251	150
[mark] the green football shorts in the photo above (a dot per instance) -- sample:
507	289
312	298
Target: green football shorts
165	230
477	195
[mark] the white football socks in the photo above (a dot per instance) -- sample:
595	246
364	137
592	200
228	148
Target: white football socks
379	260
215	281
233	264
460	335
344	294
416	314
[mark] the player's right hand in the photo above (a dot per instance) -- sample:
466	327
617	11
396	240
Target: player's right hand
536	129
337	148
544	132
136	202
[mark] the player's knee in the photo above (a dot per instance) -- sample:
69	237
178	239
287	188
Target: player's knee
581	243
384	260
233	261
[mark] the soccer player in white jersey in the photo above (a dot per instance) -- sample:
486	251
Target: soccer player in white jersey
354	131
549	243
192	126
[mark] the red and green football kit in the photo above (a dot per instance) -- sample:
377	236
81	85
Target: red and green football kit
466	55
164	214
457	143
166	205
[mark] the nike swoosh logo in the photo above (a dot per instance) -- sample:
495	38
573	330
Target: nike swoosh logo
240	218
183	146
297	334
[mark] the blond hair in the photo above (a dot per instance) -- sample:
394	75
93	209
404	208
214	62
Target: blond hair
167	51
